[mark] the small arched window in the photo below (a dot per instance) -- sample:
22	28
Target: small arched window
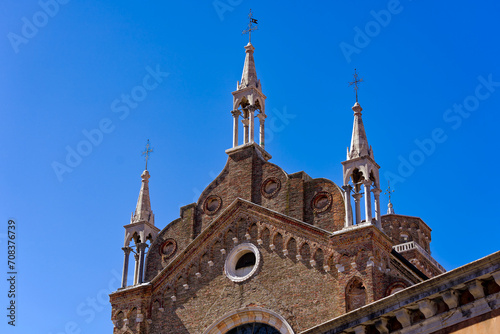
355	295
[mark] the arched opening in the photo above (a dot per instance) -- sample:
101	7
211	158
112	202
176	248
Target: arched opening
254	328
355	295
250	320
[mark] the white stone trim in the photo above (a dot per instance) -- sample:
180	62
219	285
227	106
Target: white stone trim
234	256
248	315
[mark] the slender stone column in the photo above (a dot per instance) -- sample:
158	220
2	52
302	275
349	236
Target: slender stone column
236	114
368	201
262	118
376	195
245	130
348	209
136	269
126	250
142	249
251	116
357	206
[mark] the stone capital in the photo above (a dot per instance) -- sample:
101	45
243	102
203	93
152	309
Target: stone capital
141	246
347	188
357	196
376	191
262	117
236	113
367	183
127	250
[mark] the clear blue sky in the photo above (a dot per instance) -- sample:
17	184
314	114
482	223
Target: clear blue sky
64	74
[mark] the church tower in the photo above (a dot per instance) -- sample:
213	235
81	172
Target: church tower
248	100
140	230
360	170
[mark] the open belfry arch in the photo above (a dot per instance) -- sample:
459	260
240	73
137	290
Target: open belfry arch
265	251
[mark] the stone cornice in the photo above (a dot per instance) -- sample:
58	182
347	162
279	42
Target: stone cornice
419	297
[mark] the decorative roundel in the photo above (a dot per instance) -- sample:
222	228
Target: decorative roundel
242	262
168	248
270	187
321	201
212	204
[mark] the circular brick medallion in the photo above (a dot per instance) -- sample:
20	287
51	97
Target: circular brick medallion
321	202
212	204
168	248
270	187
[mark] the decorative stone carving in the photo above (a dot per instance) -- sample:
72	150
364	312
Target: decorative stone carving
403	316
381	325
427	307
476	289
450	297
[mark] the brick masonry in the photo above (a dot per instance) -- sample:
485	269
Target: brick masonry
307	261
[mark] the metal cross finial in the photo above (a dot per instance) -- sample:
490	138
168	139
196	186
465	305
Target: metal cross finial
251	27
355	83
389	191
147	152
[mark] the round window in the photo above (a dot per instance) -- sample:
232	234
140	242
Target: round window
321	202
168	248
270	187
242	262
212	204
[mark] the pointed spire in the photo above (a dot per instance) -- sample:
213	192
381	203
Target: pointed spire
359	142
249	76
143	212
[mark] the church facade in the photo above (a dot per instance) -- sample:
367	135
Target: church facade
264	251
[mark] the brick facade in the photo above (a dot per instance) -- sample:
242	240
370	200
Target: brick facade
309	261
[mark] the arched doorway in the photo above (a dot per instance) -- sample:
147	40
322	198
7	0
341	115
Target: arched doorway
254	328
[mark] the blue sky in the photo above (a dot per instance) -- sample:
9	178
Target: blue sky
431	96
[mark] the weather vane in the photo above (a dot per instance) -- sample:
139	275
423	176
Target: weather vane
251	27
147	152
389	191
355	83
